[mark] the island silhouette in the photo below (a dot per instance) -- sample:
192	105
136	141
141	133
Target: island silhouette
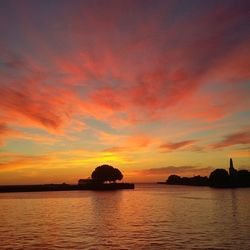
103	177
219	178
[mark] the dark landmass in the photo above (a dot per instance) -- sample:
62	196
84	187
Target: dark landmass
37	188
190	181
103	177
219	178
65	187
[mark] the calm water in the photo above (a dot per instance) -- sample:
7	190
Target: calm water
149	217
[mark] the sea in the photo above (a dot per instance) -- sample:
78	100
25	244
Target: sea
152	216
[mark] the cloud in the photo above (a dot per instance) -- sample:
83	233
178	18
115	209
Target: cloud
33	105
6	132
138	140
239	138
28	99
117	149
133	72
167	147
179	170
13	62
3	128
15	161
242	153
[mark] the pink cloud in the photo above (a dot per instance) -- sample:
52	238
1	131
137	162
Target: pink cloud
135	72
9	133
179	170
42	112
177	145
138	140
6	132
117	149
238	138
28	98
126	143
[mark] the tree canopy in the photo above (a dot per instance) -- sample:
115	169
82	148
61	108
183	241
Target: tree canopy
219	178
106	173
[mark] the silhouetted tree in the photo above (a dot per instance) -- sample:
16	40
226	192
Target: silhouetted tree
219	178
106	173
174	179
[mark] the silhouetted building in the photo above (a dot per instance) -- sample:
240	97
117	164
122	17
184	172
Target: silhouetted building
232	170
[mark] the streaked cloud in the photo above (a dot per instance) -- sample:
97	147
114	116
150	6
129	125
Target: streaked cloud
183	170
177	145
238	138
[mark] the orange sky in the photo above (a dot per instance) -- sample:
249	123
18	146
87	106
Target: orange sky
151	87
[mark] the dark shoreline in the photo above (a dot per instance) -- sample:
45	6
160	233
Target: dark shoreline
65	187
195	185
219	178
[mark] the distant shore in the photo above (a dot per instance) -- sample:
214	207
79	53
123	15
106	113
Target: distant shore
219	178
64	187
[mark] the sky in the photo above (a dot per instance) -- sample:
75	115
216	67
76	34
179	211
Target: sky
151	87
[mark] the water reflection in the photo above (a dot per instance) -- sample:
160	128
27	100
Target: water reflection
234	206
149	217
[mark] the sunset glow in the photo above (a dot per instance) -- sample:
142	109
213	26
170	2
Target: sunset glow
153	89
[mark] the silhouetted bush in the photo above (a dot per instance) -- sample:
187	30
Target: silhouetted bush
106	173
174	179
219	178
198	181
191	181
